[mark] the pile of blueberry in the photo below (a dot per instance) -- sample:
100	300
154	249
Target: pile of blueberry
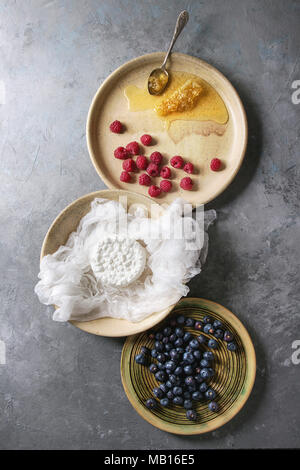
180	365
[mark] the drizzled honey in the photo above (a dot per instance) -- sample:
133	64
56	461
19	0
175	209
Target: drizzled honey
187	97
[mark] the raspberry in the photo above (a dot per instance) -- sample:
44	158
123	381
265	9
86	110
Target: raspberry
129	165
125	177
177	162
188	168
154	191
215	164
133	148
152	169
144	180
146	139
116	127
121	153
165	172
165	186
156	157
141	162
186	183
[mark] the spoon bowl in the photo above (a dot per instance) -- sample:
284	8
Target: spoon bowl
158	78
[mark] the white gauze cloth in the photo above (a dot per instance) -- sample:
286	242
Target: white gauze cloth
176	248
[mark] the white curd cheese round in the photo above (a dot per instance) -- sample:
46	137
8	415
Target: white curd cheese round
118	261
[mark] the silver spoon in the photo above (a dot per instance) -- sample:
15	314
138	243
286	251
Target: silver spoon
158	78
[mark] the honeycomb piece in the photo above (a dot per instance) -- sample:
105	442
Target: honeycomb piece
182	99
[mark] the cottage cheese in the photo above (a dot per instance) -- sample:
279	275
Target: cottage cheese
118	261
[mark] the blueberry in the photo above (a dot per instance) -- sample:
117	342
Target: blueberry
177	391
217	324
163	388
188	358
198	325
188	370
208	328
164	402
158	392
169	384
177	400
170	395
211	371
180	319
160	376
203	387
161	366
209	355
197	396
174	355
189	322
213	406
140	359
192	388
174	379
145	350
187	337
167	331
198	378
151	403
228	337
189	380
210	394
161	357
179	332
201	339
188	348
187	395
159	346
154	353
218	334
159	336
191	415
231	346
212	343
178	370
180	350
188	404
173	338
204	363
194	344
179	342
197	355
168	347
170	366
153	368
207	319
204	373
165	340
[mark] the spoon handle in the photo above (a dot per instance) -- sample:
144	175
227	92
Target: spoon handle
182	20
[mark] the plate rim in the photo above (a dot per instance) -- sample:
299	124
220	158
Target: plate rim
101	193
197	429
158	55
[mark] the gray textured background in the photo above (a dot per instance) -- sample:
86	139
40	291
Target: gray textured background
60	387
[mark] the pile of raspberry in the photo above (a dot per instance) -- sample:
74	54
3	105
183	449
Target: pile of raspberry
152	166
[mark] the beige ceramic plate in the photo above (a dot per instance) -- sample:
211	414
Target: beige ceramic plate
110	104
233	380
66	222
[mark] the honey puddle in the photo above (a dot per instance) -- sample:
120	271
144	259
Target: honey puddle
208	106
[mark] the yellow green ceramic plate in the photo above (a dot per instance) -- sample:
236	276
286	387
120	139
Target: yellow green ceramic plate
233	380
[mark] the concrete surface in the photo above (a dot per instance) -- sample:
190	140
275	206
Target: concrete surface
61	388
